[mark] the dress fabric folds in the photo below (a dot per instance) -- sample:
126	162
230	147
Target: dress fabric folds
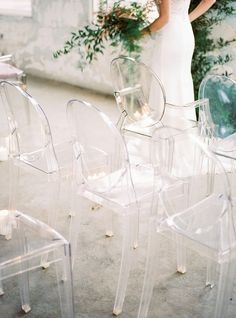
172	56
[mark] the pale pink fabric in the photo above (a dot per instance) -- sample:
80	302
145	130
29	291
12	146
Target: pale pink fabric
8	71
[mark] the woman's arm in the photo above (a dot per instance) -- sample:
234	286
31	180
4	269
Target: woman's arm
164	13
203	6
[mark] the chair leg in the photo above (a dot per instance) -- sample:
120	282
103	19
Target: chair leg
127	252
1	285
96	206
65	285
109	224
24	289
28	114
211	273
53	197
14	175
72	191
74	229
24	266
150	271
225	288
181	255
135	221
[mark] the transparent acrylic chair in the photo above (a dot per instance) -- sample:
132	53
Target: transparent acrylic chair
221	92
104	175
32	240
204	222
30	143
141	98
133	85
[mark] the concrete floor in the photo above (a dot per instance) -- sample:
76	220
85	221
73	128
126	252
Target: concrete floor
97	265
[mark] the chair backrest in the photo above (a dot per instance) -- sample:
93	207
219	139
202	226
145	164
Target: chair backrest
98	146
221	92
30	138
137	90
198	179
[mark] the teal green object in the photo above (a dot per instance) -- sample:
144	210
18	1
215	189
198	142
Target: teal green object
221	92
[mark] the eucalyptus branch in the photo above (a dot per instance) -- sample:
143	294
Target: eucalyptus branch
120	26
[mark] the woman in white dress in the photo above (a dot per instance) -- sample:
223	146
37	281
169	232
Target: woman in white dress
172	55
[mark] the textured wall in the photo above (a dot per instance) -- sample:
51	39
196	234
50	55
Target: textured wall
33	41
227	31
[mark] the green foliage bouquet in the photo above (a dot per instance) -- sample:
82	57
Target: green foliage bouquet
121	25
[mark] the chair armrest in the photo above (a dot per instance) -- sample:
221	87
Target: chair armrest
128	90
196	104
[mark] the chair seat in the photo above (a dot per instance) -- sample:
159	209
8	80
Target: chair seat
136	128
201	227
46	163
226	149
143	178
43	239
228	144
171	123
39	160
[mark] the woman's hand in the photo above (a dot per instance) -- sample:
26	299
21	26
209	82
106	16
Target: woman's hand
146	31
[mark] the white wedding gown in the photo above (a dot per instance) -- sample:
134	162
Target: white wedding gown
172	57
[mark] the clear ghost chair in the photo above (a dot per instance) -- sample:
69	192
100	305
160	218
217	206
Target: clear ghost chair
204	222
139	92
221	92
104	175
30	143
32	240
141	99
